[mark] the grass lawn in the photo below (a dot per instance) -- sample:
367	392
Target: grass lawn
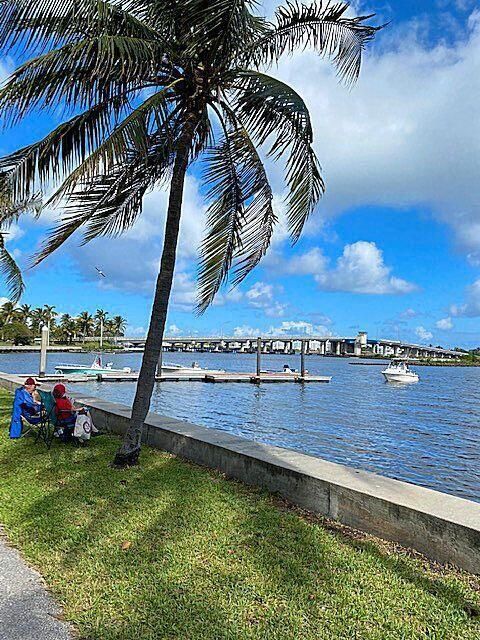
170	550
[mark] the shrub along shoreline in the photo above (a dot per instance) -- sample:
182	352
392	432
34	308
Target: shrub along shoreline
172	550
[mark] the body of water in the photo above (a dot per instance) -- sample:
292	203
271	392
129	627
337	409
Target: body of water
427	433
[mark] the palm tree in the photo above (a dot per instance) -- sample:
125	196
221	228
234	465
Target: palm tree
8	314
66	328
100	319
49	315
119	325
85	324
24	312
38	318
154	86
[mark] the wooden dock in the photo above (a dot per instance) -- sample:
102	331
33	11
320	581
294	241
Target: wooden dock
178	377
264	377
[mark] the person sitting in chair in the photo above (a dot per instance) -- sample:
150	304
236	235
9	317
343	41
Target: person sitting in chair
65	411
27	405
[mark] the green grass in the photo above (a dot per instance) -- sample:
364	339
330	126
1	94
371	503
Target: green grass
207	557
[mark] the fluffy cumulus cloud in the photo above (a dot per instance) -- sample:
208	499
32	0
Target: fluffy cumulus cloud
263	296
360	269
471	307
407	134
423	334
445	324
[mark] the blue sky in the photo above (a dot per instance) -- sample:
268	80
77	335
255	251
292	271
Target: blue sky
394	248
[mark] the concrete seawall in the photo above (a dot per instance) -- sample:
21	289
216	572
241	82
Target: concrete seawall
443	527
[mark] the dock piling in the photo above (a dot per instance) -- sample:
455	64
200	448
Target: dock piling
43	352
259	355
302	359
160	361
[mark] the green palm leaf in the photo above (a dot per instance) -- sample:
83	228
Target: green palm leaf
271	109
11	273
319	25
240	219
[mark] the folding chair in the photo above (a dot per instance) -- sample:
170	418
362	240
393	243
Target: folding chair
49	423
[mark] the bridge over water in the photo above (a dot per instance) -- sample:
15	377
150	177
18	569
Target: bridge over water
322	345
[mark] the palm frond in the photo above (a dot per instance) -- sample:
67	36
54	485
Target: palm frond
79	75
270	108
132	133
44	162
240	219
11	273
222	27
321	26
109	204
51	23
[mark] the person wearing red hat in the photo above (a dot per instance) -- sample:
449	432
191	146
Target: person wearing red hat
65	411
26	404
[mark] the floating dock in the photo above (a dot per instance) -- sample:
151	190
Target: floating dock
174	377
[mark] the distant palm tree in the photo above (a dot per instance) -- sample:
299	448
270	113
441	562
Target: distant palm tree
38	319
24	312
155	85
100	319
8	314
66	328
86	324
49	314
119	325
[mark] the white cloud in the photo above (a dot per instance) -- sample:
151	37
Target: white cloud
245	330
286	328
361	269
173	330
471	307
262	296
407	134
409	313
184	291
445	324
311	262
299	328
423	334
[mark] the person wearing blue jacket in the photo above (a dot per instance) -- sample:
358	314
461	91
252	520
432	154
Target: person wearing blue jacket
25	404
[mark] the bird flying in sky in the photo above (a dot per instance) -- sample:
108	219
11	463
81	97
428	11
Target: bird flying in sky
100	272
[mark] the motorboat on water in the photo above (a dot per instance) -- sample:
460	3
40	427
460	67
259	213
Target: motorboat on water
399	371
94	369
171	367
287	370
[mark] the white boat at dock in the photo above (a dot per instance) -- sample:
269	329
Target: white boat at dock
171	367
399	371
94	369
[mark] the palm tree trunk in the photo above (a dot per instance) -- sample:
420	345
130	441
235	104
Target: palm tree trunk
127	454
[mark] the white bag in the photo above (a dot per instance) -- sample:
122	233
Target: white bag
83	426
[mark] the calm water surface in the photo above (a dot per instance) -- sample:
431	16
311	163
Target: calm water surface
426	433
